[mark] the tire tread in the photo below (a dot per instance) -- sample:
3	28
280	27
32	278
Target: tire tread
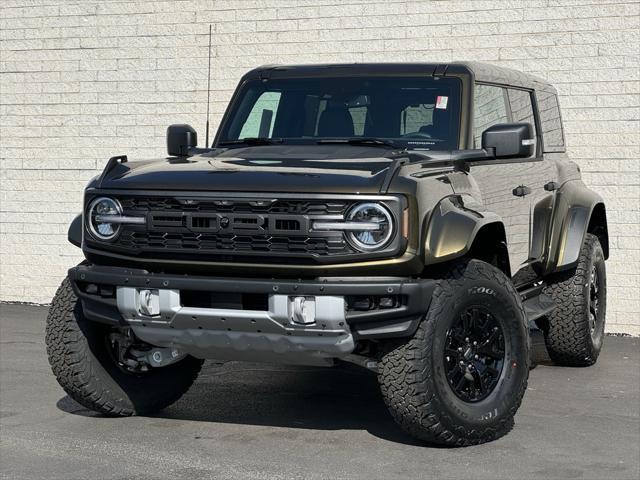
404	373
567	333
79	372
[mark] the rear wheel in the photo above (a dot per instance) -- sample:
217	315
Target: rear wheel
95	365
574	331
460	379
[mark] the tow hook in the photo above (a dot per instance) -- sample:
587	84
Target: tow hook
161	357
137	357
156	356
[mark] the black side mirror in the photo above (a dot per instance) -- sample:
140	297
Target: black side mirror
180	139
509	140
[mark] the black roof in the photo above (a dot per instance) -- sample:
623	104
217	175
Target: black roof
483	72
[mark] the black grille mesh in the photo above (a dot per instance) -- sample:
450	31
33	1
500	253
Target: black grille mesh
231	243
302	207
171	234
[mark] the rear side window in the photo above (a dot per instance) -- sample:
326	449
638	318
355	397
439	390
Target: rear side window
549	110
522	108
259	123
415	117
358	109
489	108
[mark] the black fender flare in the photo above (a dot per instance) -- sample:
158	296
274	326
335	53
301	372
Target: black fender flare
453	226
573	211
74	235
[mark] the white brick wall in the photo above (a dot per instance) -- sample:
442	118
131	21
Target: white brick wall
86	80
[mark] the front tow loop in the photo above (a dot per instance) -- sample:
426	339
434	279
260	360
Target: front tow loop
135	356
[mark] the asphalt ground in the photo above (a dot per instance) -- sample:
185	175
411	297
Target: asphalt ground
278	422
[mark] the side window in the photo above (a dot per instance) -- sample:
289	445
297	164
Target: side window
489	108
359	115
549	110
521	108
416	117
358	108
322	106
260	121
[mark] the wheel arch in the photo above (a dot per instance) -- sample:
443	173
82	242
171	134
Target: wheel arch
490	246
598	226
459	227
74	235
578	211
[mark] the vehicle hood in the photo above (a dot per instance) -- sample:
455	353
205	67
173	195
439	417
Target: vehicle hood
269	168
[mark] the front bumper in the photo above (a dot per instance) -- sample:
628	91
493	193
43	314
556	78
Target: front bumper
109	295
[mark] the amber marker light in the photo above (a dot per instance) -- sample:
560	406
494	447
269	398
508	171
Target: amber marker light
405	223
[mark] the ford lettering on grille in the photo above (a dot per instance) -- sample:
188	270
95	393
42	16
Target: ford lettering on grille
228	223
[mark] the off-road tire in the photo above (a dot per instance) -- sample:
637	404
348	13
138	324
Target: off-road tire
567	330
412	375
86	371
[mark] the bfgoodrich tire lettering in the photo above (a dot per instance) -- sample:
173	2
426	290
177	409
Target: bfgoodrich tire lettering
412	374
84	368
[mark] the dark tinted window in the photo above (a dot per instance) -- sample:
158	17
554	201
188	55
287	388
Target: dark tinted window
521	107
552	135
489	108
415	112
261	116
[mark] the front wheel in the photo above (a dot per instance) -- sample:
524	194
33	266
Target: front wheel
82	359
460	379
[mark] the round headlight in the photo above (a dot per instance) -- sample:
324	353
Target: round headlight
99	210
377	226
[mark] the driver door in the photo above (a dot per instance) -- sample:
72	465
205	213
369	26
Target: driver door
509	187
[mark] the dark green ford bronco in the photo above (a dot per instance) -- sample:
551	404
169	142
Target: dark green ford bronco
414	219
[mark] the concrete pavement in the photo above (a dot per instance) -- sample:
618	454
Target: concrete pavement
278	422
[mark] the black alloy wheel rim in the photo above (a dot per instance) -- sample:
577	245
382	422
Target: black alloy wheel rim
594	300
474	354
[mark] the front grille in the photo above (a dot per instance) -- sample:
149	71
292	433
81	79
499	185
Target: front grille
244	229
213	243
230	228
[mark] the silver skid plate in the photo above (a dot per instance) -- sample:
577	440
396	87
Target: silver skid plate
294	329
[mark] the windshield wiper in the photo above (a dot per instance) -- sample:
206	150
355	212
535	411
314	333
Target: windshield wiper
251	141
368	141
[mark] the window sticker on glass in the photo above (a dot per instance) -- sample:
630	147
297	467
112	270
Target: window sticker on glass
441	102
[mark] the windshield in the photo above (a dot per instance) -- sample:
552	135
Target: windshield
410	112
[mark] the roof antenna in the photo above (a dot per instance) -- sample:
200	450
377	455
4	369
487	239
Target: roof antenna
208	88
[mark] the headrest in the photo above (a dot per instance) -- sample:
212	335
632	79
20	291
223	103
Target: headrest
439	127
335	121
